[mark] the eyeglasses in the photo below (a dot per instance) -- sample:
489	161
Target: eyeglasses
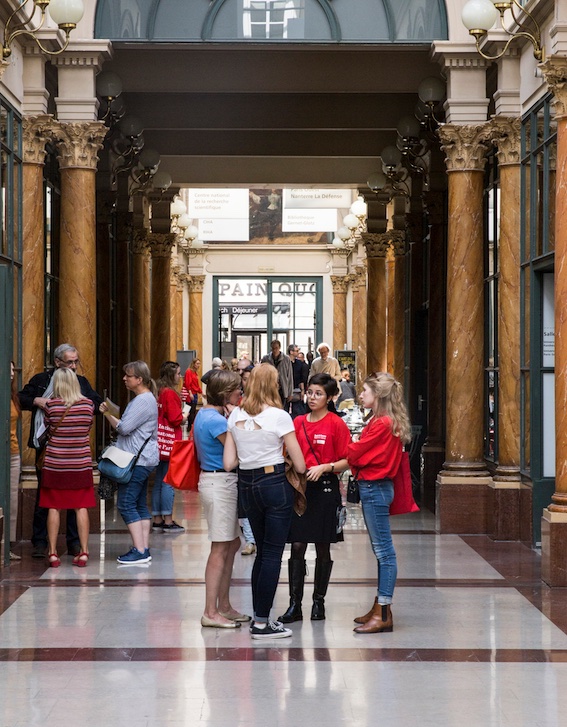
132	376
316	394
68	364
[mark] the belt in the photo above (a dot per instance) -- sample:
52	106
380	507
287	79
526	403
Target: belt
227	472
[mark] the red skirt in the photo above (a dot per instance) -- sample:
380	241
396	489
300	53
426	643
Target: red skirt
66	499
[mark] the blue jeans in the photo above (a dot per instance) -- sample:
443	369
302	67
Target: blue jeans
267	500
132	498
162	493
376	497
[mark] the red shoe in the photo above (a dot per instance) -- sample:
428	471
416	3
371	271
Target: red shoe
54	560
81	560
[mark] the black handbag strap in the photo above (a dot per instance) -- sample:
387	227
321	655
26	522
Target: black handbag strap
309	443
137	457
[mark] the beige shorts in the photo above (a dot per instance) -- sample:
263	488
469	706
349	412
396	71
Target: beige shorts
219	497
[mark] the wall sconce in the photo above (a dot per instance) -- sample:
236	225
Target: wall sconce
65	13
479	16
348	235
186	232
392	178
109	88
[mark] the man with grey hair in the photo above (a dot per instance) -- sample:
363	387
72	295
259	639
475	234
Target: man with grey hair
33	397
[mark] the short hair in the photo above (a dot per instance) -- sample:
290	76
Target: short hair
291	347
66	386
216	363
323	344
62	349
221	385
274	342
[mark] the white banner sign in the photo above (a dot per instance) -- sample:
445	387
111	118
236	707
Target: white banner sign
220	230
309	220
219	203
317	198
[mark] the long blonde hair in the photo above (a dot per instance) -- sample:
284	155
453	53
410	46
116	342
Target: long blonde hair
389	402
261	389
66	386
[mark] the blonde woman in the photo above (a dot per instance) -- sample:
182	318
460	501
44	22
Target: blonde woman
67	475
375	460
257	431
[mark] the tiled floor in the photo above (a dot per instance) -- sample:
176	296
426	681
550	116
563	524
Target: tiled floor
478	640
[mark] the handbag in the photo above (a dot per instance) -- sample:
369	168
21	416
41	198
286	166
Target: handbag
184	468
403	501
298	482
118	465
45	437
106	488
352	491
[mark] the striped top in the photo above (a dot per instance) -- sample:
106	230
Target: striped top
68	459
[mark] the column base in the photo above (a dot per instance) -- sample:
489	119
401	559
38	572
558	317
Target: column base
554	548
462	503
504	509
433	458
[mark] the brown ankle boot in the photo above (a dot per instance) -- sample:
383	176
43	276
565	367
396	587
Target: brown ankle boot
380	620
367	616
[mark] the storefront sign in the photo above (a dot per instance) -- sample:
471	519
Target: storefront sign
309	220
317	199
347	360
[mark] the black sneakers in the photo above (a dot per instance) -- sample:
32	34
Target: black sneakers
272	630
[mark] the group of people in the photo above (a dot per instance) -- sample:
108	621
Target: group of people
242	437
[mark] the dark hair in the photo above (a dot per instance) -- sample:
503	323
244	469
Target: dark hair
291	347
327	382
220	386
167	372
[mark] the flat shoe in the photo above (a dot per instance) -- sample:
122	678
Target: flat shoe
81	560
205	621
54	560
238	617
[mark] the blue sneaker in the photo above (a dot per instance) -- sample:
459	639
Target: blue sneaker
134	556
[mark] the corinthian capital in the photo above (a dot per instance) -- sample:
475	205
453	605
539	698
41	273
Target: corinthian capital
160	243
555	73
340	283
376	244
196	283
79	143
465	147
506	137
398	241
139	242
37	131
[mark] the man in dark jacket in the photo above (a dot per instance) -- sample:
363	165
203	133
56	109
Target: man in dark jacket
32	398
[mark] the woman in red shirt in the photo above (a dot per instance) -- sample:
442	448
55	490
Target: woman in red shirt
170	419
191	383
374	461
323	438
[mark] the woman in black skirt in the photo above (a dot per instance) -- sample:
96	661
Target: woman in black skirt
323	438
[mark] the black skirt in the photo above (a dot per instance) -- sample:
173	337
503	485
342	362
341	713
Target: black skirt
319	522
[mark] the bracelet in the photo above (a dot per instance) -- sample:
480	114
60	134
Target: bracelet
332	467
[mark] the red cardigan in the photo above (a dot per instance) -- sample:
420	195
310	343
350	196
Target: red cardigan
378	452
191	382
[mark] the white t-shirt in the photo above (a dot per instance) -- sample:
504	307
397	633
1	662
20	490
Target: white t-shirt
264	446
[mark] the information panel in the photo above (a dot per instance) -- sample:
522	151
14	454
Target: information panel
309	220
317	198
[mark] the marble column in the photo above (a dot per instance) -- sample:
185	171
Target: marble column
36	133
340	289
78	145
433	450
358	285
173	313
196	286
140	303
506	507
397	313
160	245
390	307
376	245
180	286
554	520
462	485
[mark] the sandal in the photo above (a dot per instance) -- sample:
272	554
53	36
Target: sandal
54	560
81	560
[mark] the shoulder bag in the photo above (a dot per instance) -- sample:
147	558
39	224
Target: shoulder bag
184	469
118	465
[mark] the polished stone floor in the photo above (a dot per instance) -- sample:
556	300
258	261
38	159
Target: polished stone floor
478	640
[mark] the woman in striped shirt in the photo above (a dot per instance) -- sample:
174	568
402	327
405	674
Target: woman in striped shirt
67	474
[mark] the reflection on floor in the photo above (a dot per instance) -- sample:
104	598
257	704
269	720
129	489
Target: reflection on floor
478	640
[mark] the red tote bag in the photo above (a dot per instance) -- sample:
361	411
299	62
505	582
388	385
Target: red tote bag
403	501
184	469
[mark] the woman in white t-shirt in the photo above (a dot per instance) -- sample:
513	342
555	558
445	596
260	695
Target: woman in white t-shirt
257	431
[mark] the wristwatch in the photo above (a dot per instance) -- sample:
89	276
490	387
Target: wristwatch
332	467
